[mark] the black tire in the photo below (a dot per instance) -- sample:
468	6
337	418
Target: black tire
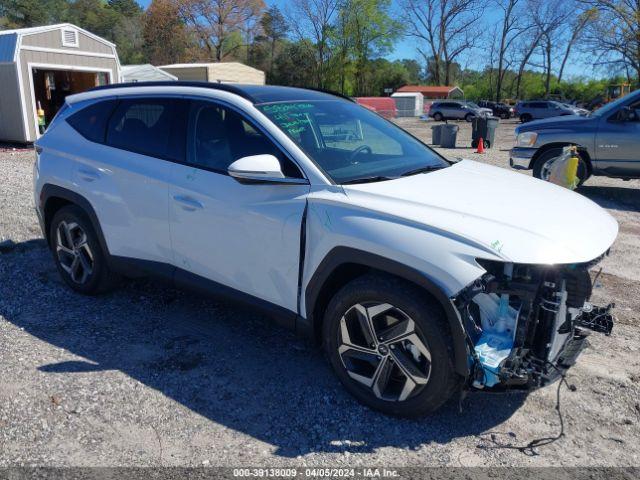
100	278
525	117
504	116
430	326
438	117
583	169
469	117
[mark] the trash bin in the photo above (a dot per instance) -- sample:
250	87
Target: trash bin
485	128
436	134
449	135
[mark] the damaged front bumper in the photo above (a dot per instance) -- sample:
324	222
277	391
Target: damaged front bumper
527	324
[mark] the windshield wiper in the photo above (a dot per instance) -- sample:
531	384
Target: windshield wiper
429	168
376	178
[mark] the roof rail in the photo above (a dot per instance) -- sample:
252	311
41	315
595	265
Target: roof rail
214	86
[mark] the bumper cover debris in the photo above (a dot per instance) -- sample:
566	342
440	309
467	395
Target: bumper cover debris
526	324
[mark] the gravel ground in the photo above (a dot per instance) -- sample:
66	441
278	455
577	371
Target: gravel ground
152	376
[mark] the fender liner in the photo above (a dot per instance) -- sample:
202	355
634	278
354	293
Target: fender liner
55	191
345	255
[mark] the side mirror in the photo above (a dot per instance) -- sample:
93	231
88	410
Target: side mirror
626	114
260	169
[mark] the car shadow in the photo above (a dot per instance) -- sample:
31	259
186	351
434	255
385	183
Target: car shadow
615	198
221	361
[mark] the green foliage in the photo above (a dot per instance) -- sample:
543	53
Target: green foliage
32	13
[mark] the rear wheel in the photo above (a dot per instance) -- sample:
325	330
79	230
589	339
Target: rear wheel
390	346
77	252
525	117
542	165
438	117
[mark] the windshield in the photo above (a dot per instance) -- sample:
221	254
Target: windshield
350	143
472	105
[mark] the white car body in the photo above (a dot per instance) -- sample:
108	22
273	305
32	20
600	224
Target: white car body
248	237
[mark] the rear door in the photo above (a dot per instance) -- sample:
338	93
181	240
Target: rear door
124	174
618	144
231	234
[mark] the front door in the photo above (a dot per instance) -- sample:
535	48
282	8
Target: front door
617	141
242	236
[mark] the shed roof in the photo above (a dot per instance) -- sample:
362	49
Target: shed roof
213	65
428	89
10	39
57	26
145	72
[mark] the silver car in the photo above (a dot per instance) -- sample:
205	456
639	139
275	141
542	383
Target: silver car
540	109
456	110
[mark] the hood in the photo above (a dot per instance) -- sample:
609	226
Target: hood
510	215
564	121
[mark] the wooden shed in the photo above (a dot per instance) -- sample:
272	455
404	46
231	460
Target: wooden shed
40	66
222	72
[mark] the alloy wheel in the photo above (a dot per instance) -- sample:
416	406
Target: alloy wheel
73	251
381	348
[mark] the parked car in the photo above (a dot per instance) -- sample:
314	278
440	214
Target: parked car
417	279
455	110
538	109
499	110
576	109
608	141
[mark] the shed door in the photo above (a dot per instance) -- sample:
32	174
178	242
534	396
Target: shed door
406	106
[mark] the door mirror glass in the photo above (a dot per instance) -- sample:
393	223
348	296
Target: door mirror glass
259	169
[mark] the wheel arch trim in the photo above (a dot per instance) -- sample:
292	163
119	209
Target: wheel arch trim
340	256
50	191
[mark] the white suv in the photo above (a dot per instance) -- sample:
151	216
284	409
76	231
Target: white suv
419	277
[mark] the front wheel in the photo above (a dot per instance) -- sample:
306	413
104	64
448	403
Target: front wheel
438	117
469	117
389	344
542	165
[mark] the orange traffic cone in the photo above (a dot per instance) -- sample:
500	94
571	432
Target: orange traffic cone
480	146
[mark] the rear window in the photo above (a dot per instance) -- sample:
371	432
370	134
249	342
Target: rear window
91	121
145	126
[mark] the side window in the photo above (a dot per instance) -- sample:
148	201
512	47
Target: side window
219	136
145	126
91	121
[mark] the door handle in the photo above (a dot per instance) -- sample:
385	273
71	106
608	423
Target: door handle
88	175
188	203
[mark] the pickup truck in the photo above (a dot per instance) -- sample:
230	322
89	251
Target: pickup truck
608	141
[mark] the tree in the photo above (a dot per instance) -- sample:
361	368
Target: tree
371	32
295	64
127	32
32	13
511	29
274	28
164	33
314	20
448	27
578	26
614	33
215	22
127	8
